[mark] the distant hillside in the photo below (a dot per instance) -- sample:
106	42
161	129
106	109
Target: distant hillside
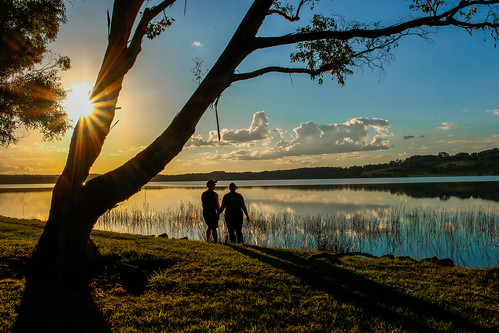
27	179
462	164
443	164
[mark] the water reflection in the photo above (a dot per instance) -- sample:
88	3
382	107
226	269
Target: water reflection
305	200
458	220
34	203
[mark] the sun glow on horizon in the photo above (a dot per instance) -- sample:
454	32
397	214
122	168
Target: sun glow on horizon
77	103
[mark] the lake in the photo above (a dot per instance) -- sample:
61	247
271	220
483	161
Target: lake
324	214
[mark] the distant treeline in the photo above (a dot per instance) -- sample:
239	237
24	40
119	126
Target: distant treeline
462	164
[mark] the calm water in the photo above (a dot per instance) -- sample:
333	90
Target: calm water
300	202
303	197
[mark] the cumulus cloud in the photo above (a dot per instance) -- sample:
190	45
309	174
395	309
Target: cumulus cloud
495	112
257	131
447	126
280	132
352	135
258	143
312	139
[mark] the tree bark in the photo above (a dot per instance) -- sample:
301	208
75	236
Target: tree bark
77	205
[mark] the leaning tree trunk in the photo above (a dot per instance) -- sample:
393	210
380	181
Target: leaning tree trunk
76	204
60	269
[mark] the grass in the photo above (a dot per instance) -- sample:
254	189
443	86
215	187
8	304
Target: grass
195	286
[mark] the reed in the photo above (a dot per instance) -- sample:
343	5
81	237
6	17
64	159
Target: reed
469	236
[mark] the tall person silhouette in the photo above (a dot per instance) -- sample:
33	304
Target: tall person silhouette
209	199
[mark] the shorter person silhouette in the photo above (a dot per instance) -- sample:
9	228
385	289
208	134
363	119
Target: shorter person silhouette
234	206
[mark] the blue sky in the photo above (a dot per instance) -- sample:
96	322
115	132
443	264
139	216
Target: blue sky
434	96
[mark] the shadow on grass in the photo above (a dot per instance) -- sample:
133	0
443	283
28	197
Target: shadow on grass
48	310
55	301
68	306
375	300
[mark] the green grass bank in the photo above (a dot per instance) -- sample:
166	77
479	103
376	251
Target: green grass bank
195	286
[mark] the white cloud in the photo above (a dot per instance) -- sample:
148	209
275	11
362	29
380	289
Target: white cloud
198	141
280	132
447	126
312	139
495	112
257	131
197	44
355	135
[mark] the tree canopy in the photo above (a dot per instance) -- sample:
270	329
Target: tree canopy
30	89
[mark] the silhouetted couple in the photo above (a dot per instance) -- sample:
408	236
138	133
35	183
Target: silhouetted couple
232	203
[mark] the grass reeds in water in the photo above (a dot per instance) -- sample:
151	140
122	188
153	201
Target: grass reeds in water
469	237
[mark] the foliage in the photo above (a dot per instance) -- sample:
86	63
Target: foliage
426	6
30	97
32	100
199	286
325	55
155	28
197	70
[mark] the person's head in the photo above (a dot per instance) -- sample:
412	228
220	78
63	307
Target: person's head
211	184
232	187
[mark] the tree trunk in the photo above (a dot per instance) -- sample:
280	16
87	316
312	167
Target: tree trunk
76	205
60	270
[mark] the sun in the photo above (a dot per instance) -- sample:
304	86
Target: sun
77	104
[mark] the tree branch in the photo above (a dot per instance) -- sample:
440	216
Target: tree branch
90	134
444	19
274	69
147	17
473	26
323	69
286	16
293	18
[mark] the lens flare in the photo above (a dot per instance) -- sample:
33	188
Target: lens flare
77	104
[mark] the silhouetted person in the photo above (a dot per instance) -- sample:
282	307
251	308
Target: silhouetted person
234	206
209	198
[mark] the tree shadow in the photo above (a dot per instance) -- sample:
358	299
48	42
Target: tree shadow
52	311
64	303
49	305
375	300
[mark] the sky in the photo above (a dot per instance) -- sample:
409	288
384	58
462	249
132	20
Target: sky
434	96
